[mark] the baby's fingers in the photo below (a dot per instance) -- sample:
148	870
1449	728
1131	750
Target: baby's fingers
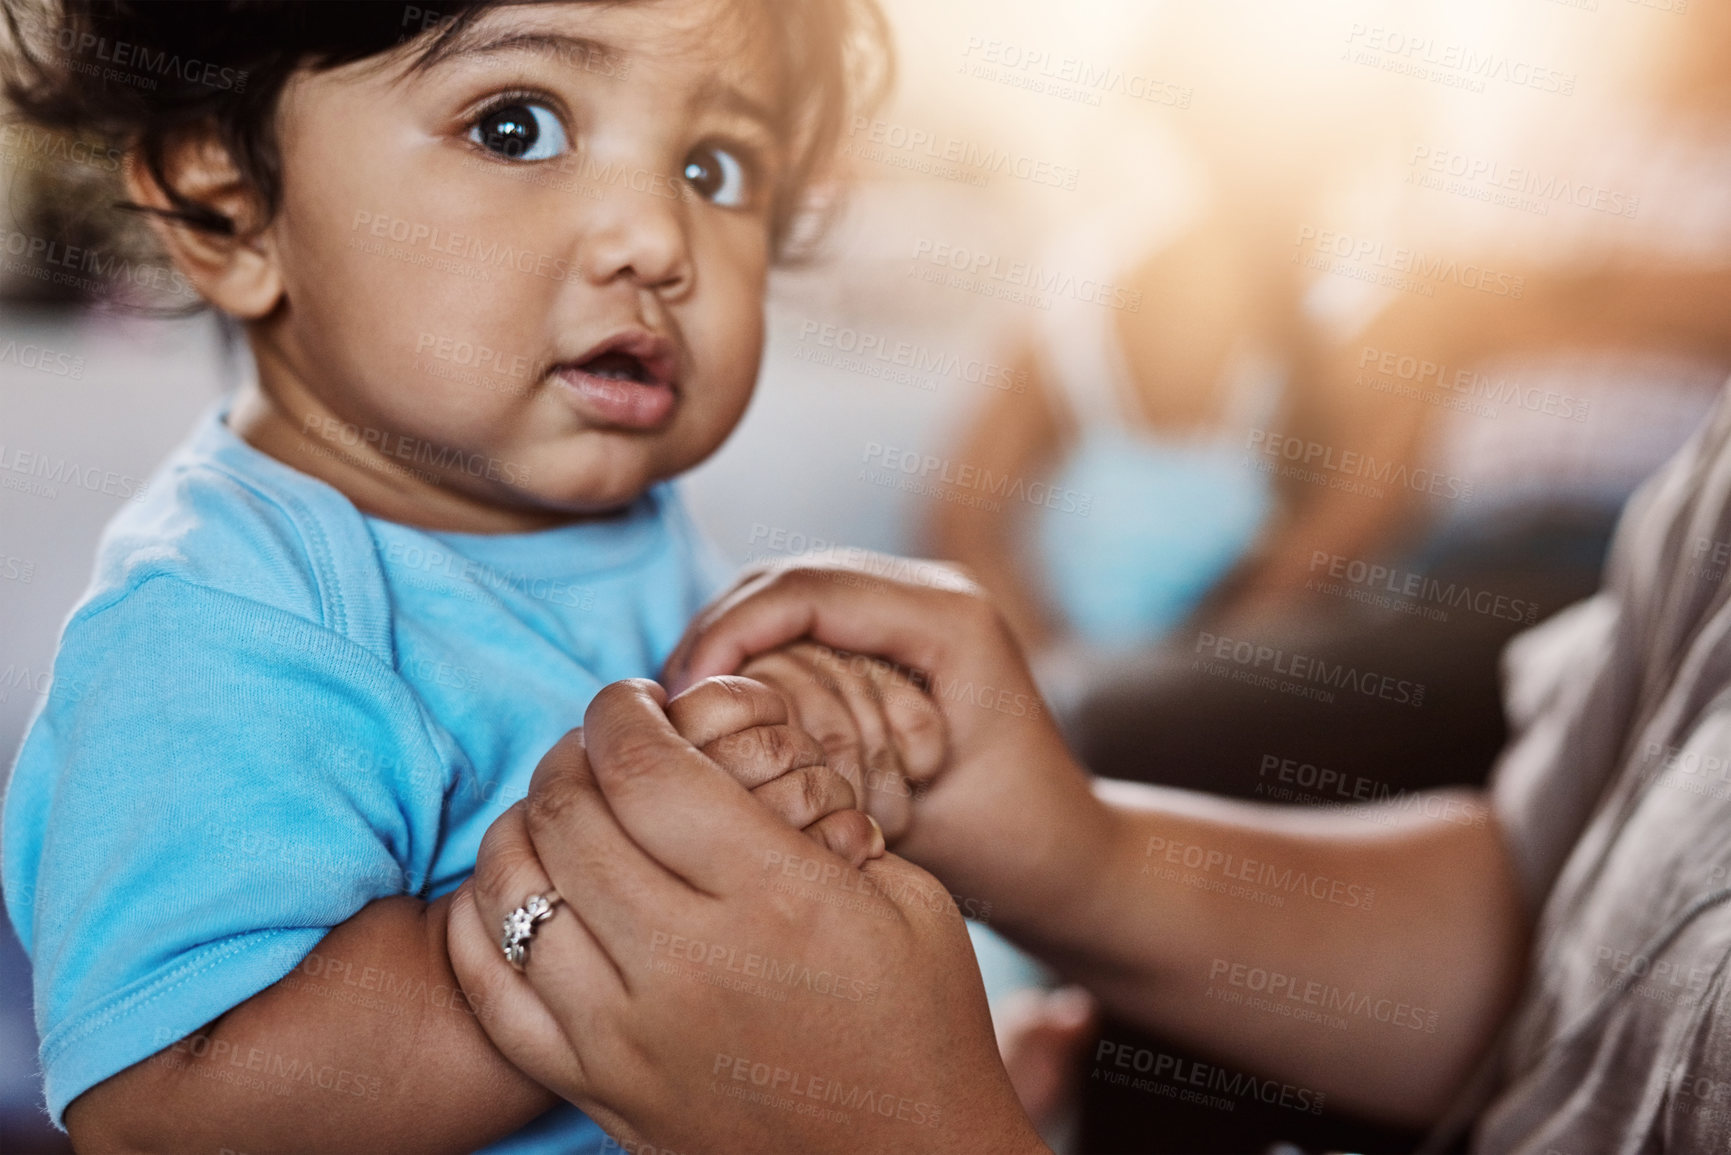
818	709
723	705
763	753
807	795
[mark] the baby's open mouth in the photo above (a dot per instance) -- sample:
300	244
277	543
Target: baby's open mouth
619	366
626	382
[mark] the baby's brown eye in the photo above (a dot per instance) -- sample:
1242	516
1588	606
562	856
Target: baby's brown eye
520	131
717	176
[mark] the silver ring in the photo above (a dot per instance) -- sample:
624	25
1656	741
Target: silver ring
520	925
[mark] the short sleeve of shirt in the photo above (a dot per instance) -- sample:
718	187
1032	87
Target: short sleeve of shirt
199	802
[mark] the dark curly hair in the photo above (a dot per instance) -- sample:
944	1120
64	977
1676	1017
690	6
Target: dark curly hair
142	74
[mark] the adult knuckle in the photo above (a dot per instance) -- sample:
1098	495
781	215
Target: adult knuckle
695	703
497	874
551	801
635	755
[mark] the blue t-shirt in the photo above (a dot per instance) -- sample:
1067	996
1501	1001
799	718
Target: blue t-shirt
269	710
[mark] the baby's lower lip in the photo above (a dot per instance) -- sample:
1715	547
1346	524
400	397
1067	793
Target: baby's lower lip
615	401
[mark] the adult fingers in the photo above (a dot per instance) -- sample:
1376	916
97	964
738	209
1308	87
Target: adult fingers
506	1006
913	625
567	830
562	955
665	796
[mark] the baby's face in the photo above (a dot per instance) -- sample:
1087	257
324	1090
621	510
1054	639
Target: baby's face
531	273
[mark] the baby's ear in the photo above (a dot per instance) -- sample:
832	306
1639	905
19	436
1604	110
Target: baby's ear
235	271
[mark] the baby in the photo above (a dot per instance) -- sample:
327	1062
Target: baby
501	270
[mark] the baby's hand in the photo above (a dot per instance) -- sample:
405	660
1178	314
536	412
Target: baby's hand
742	726
880	730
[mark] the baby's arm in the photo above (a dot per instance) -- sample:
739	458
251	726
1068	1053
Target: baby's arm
369	1045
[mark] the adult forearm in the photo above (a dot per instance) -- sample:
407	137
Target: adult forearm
1367	954
368	1045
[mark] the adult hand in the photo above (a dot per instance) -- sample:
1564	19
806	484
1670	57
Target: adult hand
1010	823
716	981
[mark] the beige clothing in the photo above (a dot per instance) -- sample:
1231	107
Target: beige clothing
1615	797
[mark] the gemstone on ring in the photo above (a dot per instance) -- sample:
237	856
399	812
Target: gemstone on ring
520	926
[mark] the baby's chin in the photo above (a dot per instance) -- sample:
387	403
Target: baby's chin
591	487
604	468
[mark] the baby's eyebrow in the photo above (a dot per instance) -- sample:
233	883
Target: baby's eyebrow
579	49
728	98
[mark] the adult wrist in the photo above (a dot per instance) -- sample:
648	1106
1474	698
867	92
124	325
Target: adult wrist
1065	880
